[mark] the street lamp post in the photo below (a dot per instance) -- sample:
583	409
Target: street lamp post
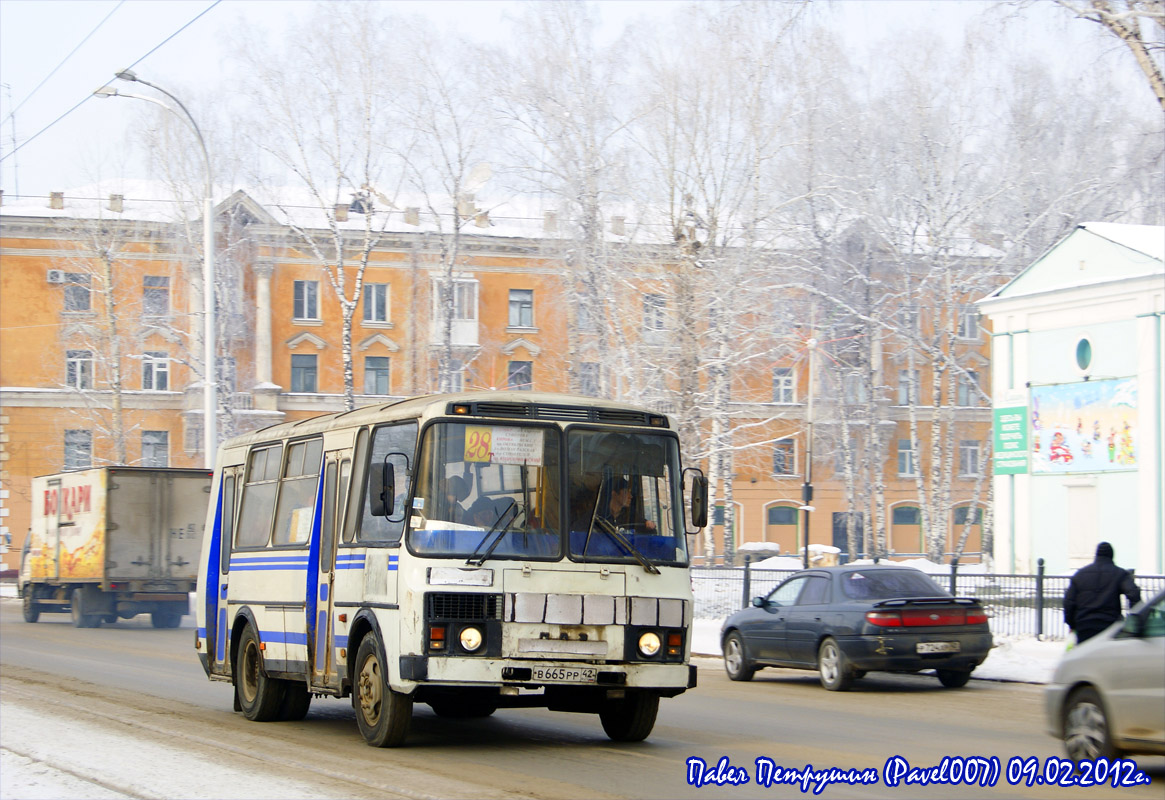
807	487
209	378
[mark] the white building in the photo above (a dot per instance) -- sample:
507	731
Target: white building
1077	352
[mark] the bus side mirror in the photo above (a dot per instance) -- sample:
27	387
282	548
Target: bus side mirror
382	489
699	499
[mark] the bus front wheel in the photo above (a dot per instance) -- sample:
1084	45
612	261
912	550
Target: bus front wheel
260	697
382	715
630	719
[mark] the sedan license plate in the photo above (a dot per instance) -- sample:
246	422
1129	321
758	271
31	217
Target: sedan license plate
938	647
565	674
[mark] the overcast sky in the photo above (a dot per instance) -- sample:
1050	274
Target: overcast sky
55	53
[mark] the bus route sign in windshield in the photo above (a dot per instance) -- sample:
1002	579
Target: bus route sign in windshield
500	445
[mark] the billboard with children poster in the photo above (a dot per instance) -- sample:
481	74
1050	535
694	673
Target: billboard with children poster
1084	427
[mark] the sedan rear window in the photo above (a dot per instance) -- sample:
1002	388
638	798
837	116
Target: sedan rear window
886	584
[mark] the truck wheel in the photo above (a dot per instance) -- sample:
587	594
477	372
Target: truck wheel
260	697
632	718
296	701
81	619
165	619
31	607
382	715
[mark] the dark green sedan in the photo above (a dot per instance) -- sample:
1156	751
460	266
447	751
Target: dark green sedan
847	621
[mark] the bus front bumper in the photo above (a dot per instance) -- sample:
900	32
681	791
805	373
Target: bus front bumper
530	674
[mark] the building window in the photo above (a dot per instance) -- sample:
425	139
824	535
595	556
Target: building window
155	372
784	461
155	449
853	389
79	369
376	302
588	378
77	292
303	374
78	449
907	468
908	387
908	317
963	512
585	317
967	391
156	295
376	373
969	452
456	375
306	300
782	515
520	376
521	308
654	311
906	515
783	385
968	323
465	300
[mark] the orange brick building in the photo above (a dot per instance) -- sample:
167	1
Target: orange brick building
100	336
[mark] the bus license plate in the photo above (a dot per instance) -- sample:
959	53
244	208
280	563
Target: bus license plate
938	647
566	674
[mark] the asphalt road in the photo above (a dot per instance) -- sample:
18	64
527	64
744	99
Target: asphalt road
72	700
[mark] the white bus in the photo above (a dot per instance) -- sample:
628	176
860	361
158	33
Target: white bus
473	552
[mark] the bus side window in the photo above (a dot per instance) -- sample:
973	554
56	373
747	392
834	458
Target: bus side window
228	521
397	444
295	512
254	528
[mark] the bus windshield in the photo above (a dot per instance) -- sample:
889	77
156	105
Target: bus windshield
625	498
487	491
495	491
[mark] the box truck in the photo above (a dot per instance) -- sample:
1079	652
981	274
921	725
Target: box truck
114	542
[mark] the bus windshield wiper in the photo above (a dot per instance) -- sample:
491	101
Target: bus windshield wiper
499	527
620	539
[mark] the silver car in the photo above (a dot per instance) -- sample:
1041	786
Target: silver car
1107	696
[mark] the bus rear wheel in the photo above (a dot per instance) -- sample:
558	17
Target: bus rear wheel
382	715
630	719
260	697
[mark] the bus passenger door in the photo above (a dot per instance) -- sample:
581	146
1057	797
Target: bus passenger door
218	572
324	672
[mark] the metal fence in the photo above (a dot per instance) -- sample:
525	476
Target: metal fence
1017	605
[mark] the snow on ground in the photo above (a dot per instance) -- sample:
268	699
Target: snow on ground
1023	659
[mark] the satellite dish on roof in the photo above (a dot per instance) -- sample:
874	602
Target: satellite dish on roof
479	175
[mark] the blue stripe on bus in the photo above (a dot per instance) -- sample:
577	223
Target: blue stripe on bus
279	637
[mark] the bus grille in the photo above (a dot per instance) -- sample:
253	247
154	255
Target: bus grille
451	605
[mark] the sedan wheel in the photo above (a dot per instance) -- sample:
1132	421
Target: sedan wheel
1086	733
736	663
953	678
833	666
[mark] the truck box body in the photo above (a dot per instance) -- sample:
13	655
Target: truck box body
120	539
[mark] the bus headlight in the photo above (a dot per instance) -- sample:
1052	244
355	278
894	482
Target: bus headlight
649	644
471	639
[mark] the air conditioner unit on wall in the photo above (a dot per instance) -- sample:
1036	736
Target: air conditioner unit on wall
56	276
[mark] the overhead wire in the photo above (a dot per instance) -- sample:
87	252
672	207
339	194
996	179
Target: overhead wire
63	60
32	138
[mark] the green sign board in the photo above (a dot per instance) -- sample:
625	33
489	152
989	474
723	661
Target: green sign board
1011	441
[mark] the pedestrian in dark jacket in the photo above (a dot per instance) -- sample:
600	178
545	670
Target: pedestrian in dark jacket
1093	599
